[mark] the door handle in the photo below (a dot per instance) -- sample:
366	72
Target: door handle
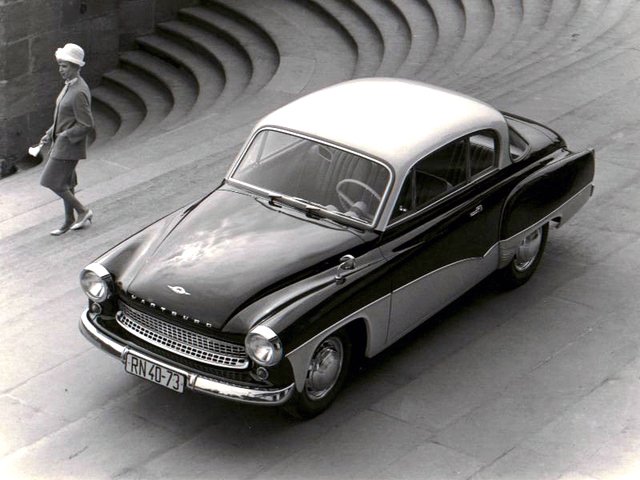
476	211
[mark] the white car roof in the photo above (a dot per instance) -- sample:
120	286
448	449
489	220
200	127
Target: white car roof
394	120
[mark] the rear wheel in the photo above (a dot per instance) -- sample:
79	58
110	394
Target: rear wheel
526	258
326	373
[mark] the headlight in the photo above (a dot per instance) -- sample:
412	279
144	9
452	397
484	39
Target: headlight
263	346
96	282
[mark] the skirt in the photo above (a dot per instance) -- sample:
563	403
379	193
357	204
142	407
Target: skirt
59	175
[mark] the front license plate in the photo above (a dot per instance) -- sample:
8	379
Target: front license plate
155	373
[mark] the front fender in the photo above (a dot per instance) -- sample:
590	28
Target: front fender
319	304
374	316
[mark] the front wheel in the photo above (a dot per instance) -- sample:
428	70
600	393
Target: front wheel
326	372
526	258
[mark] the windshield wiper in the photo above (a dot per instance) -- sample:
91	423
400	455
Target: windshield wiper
315	210
312	209
273	197
308	202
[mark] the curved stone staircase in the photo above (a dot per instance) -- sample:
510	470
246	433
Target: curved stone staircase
206	59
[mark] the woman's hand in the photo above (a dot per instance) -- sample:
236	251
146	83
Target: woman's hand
45	140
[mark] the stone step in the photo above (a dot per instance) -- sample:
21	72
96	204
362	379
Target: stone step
365	34
232	60
155	97
586	34
208	74
424	35
559	19
570	67
106	123
301	64
285	35
451	23
128	107
479	23
335	60
248	36
178	81
531	26
395	33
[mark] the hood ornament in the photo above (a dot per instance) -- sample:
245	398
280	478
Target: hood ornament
178	290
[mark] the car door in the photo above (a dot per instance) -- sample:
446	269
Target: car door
443	236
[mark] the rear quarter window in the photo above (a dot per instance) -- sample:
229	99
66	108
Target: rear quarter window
482	152
517	145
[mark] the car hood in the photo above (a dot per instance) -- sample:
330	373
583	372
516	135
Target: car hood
231	250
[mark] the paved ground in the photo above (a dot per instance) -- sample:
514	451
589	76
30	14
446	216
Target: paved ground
538	383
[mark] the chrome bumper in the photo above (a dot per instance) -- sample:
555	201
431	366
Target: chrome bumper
195	382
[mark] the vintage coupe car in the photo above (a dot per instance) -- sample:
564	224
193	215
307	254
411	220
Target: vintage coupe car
349	217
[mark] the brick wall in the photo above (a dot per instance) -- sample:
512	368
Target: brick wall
30	32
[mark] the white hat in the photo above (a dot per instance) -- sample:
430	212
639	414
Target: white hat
71	53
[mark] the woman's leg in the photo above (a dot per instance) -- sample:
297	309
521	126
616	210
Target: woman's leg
60	176
69	216
71	203
85	215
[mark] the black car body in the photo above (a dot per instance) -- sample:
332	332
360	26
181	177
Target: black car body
349	217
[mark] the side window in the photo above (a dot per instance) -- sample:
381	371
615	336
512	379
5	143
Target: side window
482	152
446	169
432	177
447	166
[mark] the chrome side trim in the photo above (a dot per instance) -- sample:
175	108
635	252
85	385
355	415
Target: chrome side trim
376	316
564	212
195	382
488	253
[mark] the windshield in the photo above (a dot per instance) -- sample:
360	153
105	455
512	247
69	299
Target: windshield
328	178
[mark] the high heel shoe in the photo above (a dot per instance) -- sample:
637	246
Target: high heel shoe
60	230
85	218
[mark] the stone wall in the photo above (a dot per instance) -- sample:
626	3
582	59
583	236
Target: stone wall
30	32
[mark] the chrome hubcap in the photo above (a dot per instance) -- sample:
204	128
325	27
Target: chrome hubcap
528	250
324	368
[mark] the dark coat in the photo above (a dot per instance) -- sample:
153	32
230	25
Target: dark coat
72	122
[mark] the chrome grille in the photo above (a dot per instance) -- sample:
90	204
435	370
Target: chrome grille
181	341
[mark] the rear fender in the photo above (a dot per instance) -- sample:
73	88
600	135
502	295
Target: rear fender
553	193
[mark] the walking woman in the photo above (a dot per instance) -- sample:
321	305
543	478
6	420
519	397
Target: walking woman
72	123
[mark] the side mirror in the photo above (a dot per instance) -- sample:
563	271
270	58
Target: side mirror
348	262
